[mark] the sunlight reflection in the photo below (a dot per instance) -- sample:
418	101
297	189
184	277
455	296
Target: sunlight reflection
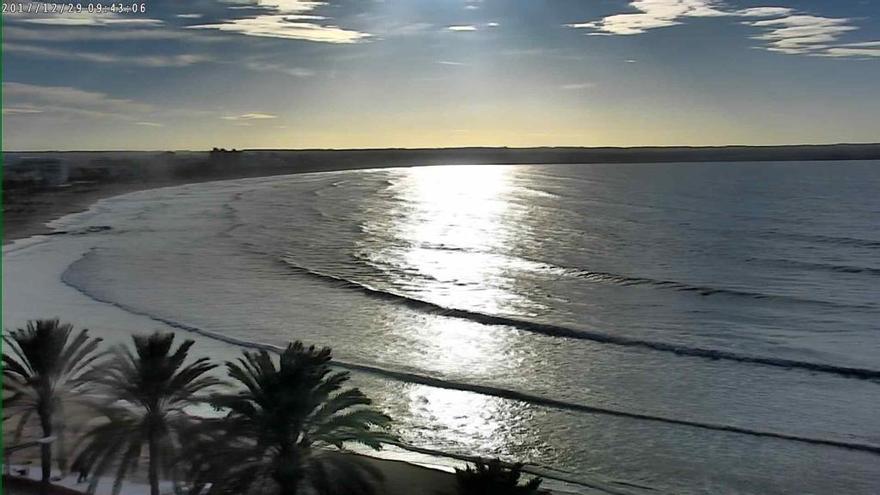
472	422
453	231
448	237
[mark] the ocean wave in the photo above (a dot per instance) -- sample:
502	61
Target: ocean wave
572	333
817	266
627	280
825	239
583	408
635	281
508	394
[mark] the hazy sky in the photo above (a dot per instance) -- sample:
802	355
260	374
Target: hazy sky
424	73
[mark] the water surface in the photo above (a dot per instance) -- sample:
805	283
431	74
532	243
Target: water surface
674	328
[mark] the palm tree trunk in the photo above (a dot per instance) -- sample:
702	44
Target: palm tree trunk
45	450
288	472
154	463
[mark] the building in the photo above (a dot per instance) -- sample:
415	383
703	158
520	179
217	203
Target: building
46	172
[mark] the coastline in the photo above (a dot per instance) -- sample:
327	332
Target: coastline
53	205
30	258
97	175
402	476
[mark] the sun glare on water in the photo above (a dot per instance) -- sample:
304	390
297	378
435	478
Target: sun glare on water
450	228
454	225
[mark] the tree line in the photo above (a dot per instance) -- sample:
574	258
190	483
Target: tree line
277	424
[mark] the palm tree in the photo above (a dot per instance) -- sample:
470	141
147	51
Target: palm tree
42	368
494	478
145	396
277	432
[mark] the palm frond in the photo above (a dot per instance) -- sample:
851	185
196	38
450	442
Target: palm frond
42	368
285	405
144	395
497	478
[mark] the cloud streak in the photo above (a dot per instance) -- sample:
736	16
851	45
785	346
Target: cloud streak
29	99
261	66
107	19
245	117
155	61
577	86
785	30
802	34
287	19
63	34
652	14
294	27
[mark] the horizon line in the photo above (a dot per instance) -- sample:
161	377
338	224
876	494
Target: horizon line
457	148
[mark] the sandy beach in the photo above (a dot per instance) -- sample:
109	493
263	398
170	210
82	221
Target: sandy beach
72	275
570	248
401	478
44	295
630	246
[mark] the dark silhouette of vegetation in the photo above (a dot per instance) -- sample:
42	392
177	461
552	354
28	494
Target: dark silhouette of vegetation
283	432
145	394
44	367
269	440
494	478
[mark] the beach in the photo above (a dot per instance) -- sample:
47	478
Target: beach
44	298
400	478
466	340
34	222
626	247
112	173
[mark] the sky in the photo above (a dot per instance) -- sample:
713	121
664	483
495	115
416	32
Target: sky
441	73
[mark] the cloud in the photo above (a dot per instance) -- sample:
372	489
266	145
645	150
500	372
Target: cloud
287	19
60	34
851	52
764	12
148	124
865	44
23	99
785	30
652	14
287	27
282	69
577	86
290	6
492	24
82	19
250	116
450	62
802	34
462	28
157	61
21	111
863	49
189	16
386	29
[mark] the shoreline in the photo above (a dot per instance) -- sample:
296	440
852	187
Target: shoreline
402	476
59	203
92	176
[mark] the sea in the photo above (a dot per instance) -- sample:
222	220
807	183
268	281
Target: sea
677	328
